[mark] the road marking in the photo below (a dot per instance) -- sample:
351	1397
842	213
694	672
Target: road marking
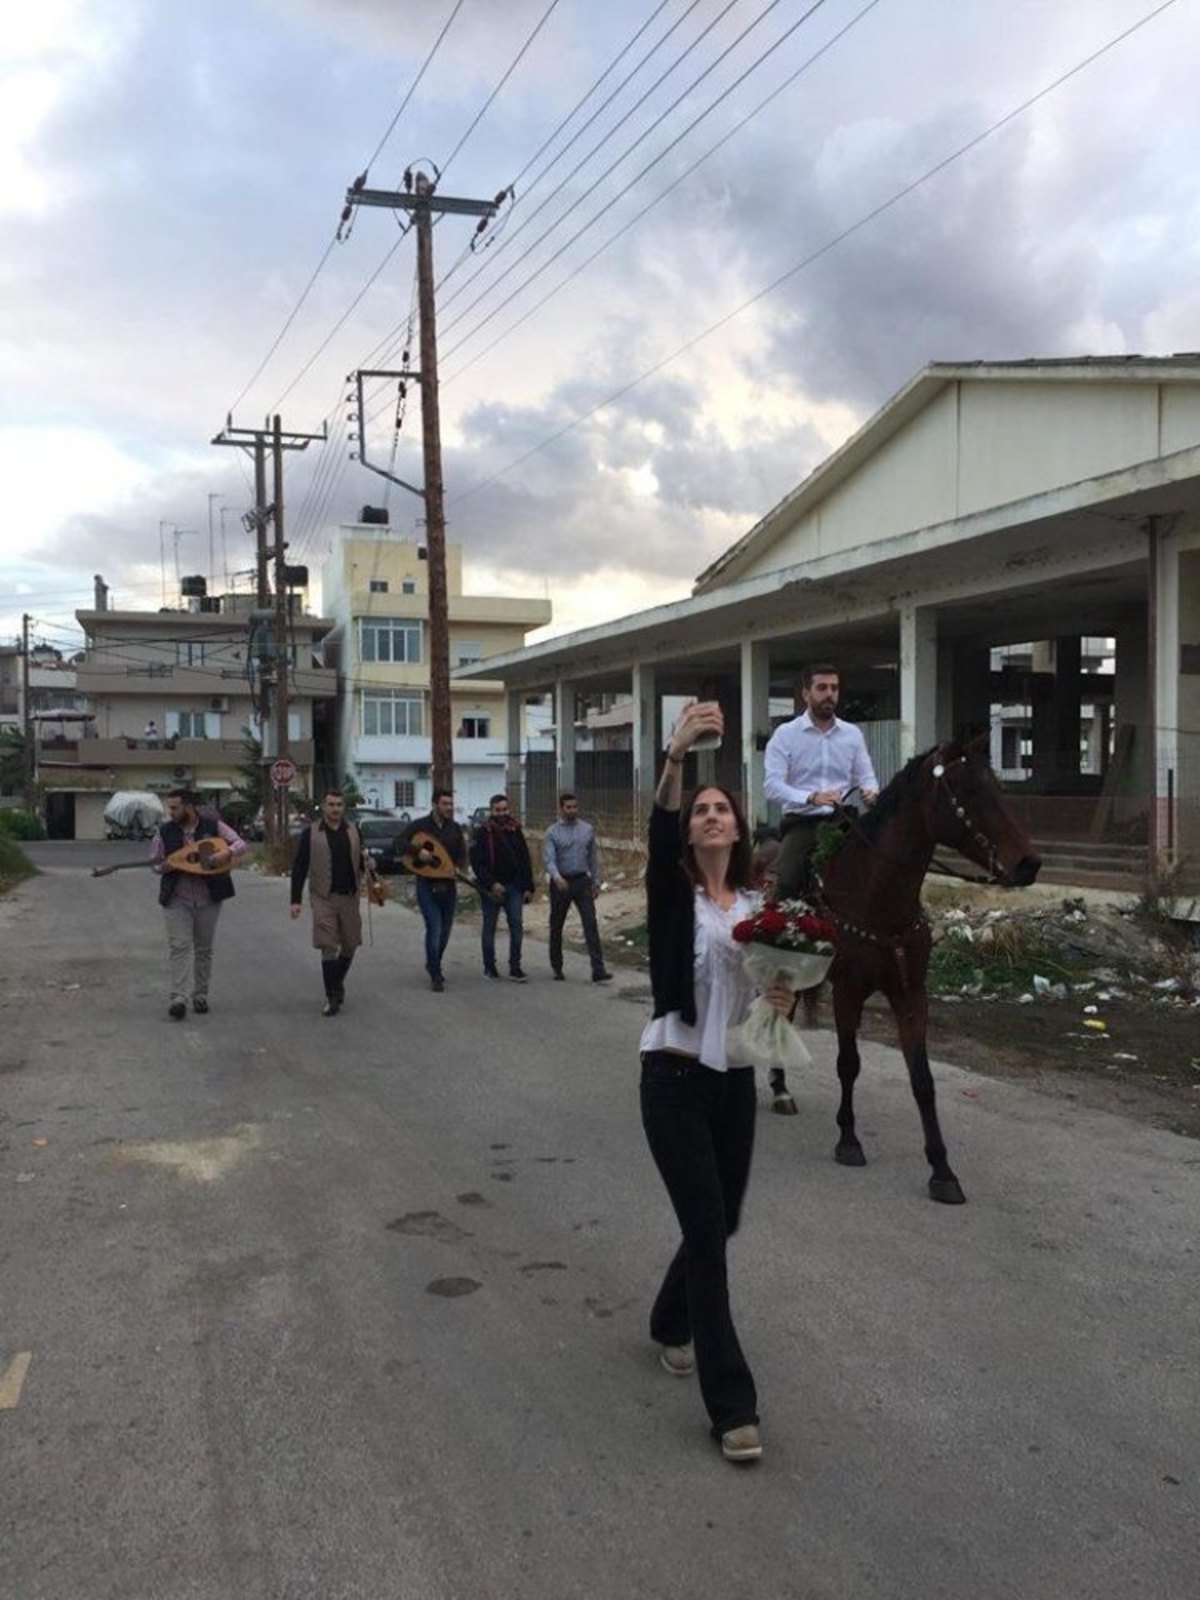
13	1380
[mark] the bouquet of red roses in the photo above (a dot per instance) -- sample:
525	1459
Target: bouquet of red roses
785	943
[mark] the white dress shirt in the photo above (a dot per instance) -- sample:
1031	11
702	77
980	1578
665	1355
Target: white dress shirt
803	758
723	991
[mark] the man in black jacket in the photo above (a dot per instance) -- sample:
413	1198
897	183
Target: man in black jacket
437	897
504	872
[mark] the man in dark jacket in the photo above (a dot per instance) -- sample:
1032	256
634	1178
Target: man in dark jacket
504	872
191	904
437	897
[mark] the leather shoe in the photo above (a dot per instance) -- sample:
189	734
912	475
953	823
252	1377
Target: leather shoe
200	1005
559	977
177	1011
437	983
601	977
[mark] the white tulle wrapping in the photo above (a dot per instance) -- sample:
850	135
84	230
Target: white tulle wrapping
766	1038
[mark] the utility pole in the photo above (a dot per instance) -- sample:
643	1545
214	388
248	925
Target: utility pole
269	623
29	754
421	199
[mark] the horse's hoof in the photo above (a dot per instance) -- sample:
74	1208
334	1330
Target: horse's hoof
784	1106
948	1191
850	1155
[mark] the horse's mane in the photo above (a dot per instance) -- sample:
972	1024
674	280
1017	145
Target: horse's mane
893	795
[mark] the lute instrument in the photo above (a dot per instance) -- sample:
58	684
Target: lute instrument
204	858
427	857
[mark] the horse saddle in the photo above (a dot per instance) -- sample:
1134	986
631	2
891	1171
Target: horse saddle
428	857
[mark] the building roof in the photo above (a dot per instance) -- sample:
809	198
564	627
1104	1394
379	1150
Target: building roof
905	404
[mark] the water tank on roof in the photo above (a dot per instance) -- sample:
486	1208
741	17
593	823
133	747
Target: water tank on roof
377	514
296	577
193	588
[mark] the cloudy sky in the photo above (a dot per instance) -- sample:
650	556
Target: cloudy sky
171	176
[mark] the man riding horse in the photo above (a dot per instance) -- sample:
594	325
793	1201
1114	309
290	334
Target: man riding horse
812	764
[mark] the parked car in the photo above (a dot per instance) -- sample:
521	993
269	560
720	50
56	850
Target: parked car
380	835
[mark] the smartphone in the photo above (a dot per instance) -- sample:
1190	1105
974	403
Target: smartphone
706	741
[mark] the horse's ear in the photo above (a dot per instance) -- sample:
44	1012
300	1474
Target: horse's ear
981	744
950	751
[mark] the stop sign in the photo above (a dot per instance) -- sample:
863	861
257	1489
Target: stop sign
282	772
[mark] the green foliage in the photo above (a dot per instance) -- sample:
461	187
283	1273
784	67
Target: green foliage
12	761
14	863
354	795
829	842
1006	965
21	824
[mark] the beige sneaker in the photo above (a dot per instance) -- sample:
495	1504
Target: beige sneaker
678	1360
742	1444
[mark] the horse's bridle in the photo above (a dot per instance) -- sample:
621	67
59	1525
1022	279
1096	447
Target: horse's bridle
996	873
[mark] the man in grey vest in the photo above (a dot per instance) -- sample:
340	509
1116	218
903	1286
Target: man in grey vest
330	855
569	854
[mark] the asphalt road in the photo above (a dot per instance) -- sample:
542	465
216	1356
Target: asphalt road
355	1309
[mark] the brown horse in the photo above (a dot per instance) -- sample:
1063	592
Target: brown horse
871	891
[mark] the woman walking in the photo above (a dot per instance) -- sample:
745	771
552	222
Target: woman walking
698	1105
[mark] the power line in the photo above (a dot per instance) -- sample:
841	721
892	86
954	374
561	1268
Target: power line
320	266
482	112
596	148
806	261
657	200
413	86
649	167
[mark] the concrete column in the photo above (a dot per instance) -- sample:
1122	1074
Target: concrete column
918	679
514	744
1175	662
647	742
755	690
564	733
970	690
1131	700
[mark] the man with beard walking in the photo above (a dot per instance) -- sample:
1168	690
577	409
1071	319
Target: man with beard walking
569	852
438	897
330	856
504	873
811	764
191	903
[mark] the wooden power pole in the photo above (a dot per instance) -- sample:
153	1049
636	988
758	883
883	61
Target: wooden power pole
422	200
270	620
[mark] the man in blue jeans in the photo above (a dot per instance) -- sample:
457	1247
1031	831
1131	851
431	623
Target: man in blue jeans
504	873
438	897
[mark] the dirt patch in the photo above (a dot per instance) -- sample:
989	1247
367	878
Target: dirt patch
1081	997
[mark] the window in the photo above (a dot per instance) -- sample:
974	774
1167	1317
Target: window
379	586
189	652
405	794
391	714
389	639
467	651
408	587
193	725
475	728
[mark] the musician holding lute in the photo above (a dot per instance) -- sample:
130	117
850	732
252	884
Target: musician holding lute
436	844
192	853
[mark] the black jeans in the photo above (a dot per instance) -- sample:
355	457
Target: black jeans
700	1128
578	893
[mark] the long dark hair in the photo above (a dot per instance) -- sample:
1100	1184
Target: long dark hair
738	873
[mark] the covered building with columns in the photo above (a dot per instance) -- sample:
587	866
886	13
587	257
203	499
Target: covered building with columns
953	557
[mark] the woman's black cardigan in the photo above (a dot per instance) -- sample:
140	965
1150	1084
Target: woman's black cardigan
670	919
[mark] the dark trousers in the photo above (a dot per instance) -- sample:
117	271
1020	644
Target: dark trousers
794	878
436	903
700	1128
577	893
513	907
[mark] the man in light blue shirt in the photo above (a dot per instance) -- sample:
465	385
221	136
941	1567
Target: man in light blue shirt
812	763
569	852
